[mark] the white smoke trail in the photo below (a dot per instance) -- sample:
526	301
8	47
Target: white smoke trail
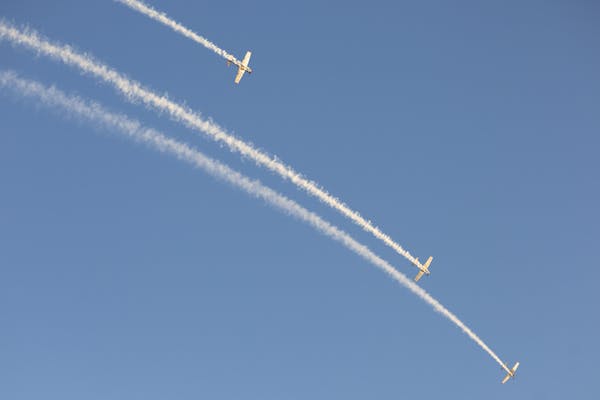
177	27
136	92
97	114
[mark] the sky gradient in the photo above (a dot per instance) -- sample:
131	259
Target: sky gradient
467	132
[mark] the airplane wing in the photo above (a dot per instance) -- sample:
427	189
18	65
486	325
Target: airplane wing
246	59
426	266
511	373
423	269
419	275
239	75
243	67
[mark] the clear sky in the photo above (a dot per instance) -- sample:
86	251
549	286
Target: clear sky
466	131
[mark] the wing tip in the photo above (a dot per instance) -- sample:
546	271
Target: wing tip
419	276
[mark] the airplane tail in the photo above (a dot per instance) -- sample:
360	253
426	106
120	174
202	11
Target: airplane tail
243	67
424	270
511	373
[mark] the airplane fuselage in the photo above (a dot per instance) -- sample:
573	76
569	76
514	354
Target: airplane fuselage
239	64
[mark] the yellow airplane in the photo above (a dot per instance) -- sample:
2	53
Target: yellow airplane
242	66
424	269
511	373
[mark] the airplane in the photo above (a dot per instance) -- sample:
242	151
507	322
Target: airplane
424	269
242	66
511	373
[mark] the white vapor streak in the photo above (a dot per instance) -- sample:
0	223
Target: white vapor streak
177	27
136	92
97	114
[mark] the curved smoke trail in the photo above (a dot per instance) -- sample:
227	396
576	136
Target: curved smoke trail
136	92
97	114
177	27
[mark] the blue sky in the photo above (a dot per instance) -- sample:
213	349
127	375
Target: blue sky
465	131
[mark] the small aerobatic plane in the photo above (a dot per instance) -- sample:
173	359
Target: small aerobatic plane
242	66
511	373
424	268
